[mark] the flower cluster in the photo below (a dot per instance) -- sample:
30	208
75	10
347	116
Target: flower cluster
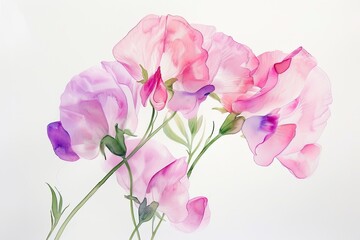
279	101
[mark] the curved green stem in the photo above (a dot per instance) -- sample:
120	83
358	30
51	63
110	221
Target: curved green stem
107	176
206	147
85	199
131	195
136	229
157	227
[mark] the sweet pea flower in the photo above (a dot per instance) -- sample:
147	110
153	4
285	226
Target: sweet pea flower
289	115
92	104
161	49
158	176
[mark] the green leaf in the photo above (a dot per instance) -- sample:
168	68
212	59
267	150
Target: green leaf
212	132
232	124
169	83
192	124
199	123
113	145
173	136
220	109
215	96
54	204
135	199
129	133
181	126
147	212
144	73
120	137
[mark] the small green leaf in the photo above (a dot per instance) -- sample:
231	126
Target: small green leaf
215	96
212	132
220	109
199	124
120	137
169	83
232	124
181	126
173	136
147	212
54	204
129	133
192	124
144	73
113	145
135	199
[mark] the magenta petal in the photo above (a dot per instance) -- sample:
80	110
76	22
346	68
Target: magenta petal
198	215
303	163
61	142
160	95
148	87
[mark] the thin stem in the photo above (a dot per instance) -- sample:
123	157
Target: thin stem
136	229
157	227
206	147
85	199
131	195
107	176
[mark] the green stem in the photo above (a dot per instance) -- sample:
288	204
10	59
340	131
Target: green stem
107	176
206	147
131	195
136	229
157	227
85	199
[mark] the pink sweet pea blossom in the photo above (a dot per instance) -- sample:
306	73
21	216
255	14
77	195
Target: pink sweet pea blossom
160	177
290	112
92	103
168	48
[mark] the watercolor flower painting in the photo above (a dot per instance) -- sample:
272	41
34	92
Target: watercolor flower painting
278	103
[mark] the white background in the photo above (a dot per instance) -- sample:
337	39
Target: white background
43	43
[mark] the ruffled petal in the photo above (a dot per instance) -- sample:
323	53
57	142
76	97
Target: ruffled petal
93	103
169	187
61	142
145	163
188	103
277	76
274	144
143	45
198	215
303	163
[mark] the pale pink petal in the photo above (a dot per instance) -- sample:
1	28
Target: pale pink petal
303	163
281	83
198	215
146	162
274	144
184	102
184	57
169	187
311	111
188	103
143	45
230	63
